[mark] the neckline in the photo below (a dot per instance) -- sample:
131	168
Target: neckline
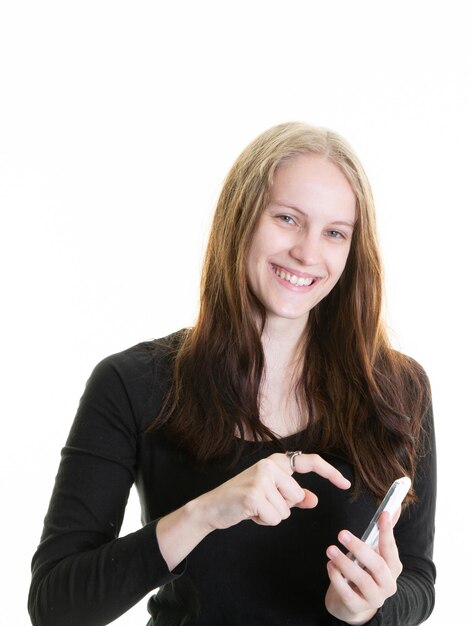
271	442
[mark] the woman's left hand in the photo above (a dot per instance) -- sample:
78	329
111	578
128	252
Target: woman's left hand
355	594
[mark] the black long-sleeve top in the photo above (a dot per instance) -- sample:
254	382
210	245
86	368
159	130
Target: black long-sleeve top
84	574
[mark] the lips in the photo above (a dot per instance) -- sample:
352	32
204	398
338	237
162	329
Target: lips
295	278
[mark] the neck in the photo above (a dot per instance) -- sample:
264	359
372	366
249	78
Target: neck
283	342
283	345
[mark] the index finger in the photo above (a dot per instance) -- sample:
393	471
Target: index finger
314	463
396	517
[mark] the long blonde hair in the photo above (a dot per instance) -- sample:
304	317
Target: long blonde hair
362	398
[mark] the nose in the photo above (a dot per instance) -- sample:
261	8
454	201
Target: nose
307	248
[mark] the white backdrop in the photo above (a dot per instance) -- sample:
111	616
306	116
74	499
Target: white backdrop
118	122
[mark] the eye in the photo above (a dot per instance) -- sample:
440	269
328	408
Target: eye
286	219
336	234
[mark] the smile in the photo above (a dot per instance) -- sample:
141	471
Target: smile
292	278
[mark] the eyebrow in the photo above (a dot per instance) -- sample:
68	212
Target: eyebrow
336	222
346	223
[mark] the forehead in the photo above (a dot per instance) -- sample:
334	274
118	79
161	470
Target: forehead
311	181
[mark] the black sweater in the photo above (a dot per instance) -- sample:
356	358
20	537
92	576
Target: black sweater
84	575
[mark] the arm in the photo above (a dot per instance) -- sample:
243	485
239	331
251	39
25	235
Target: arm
413	601
263	493
82	574
414	534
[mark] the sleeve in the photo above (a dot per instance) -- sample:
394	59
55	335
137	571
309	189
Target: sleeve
413	602
82	573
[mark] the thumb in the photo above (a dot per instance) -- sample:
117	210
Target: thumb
309	502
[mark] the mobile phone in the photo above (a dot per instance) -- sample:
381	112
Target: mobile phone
394	497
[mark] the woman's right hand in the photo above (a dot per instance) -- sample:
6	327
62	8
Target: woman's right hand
265	492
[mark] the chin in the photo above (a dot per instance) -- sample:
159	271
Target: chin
288	315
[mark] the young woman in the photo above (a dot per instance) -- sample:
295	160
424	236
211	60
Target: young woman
289	354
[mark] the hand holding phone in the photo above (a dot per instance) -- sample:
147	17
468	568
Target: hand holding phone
393	499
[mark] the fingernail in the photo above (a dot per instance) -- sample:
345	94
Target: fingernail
345	537
332	552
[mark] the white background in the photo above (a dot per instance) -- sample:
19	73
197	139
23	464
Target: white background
118	122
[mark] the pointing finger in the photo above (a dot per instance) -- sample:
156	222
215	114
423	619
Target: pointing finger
315	463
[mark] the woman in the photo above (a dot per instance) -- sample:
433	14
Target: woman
289	353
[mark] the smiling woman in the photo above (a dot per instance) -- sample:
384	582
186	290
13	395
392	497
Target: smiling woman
302	240
289	352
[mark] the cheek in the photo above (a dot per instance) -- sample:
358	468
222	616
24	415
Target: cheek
344	259
259	249
252	263
337	260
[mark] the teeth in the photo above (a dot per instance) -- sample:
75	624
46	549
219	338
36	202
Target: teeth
292	278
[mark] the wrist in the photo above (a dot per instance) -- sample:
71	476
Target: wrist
179	532
362	618
196	514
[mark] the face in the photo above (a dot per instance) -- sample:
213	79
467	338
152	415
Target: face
302	241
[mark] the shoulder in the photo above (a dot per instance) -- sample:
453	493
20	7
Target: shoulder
405	386
143	358
140	374
402	367
410	380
